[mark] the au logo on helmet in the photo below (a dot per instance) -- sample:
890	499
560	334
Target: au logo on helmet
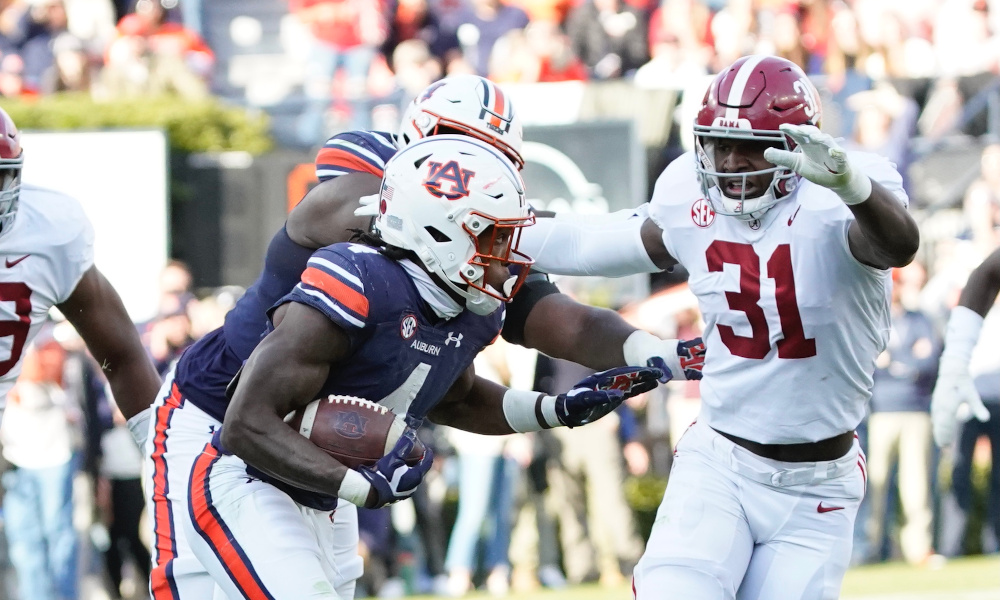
448	180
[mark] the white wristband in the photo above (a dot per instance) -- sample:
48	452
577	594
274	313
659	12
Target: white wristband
962	334
857	189
354	488
641	345
529	411
139	426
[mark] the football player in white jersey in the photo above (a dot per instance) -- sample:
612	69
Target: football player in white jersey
788	240
955	397
47	245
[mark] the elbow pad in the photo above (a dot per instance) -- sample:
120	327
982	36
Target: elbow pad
608	245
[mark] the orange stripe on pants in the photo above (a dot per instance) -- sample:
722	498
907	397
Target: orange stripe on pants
215	532
165	551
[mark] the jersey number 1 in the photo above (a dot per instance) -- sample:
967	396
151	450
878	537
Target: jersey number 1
794	343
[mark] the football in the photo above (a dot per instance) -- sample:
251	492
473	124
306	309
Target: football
355	431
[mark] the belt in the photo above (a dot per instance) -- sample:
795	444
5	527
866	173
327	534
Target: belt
823	450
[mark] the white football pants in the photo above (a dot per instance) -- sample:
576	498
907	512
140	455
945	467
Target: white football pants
735	525
178	430
257	543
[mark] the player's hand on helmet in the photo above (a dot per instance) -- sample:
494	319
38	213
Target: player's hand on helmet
368	206
954	401
391	478
821	160
599	394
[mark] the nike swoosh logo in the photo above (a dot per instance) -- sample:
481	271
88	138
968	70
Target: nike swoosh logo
11	263
826	509
792	218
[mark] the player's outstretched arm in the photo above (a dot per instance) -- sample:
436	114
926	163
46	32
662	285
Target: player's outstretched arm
561	327
325	215
955	396
883	234
481	406
609	245
96	311
284	373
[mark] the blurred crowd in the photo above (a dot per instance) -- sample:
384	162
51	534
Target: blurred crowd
355	58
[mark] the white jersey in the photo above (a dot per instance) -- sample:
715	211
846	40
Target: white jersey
42	258
793	322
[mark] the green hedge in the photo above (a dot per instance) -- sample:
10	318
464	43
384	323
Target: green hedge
191	126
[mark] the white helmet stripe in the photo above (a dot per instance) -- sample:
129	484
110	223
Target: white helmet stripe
739	86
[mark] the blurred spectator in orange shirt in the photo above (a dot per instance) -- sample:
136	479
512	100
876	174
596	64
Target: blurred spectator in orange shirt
556	60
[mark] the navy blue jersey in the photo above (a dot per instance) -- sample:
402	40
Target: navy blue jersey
402	355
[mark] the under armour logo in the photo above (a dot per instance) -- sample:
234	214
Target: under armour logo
452	338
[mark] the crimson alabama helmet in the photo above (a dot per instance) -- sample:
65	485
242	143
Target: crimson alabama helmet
748	101
11	160
464	104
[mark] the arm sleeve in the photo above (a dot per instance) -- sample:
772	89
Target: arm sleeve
77	252
608	245
536	286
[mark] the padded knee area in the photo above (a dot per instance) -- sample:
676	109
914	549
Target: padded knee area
679	582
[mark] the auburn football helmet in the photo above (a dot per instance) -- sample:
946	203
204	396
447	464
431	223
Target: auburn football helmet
11	161
438	196
464	104
748	101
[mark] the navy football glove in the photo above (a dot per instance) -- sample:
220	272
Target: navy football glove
690	357
599	394
391	478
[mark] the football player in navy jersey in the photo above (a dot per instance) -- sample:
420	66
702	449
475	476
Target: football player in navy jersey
378	323
192	403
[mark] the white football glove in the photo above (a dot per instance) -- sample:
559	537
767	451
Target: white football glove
955	400
369	206
821	160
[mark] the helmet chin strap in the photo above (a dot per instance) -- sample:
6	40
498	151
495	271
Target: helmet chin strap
483	304
488	303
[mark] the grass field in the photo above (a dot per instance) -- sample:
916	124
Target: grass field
964	579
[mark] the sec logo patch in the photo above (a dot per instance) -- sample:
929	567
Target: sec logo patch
408	327
702	213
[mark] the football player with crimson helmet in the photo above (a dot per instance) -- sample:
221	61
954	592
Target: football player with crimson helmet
789	241
48	243
192	402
